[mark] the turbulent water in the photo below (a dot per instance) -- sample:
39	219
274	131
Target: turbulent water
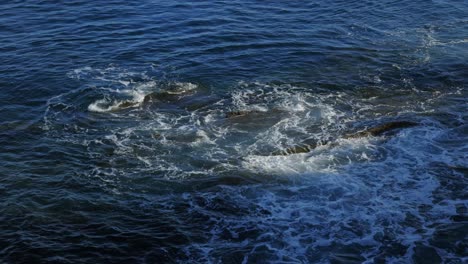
118	141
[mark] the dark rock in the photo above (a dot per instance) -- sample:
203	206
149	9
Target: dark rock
126	104
238	113
304	148
161	96
384	129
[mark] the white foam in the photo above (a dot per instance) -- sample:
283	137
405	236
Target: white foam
183	87
353	192
202	137
136	96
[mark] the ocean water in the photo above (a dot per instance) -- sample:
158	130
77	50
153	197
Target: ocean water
117	144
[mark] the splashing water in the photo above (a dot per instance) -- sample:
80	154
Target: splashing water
148	132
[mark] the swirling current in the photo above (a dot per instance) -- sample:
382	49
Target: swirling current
146	131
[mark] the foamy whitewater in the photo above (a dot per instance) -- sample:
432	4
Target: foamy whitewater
151	132
366	197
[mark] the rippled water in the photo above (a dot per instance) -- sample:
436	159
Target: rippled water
117	144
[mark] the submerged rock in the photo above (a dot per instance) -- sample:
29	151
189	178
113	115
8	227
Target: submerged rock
165	96
236	114
127	104
380	130
303	148
170	96
253	113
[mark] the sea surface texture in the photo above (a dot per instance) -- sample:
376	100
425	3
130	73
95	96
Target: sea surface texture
152	131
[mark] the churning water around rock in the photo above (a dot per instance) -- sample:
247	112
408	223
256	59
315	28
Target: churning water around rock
142	131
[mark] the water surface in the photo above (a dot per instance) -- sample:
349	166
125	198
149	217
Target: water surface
91	171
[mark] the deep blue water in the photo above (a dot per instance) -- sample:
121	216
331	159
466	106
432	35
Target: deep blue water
115	146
